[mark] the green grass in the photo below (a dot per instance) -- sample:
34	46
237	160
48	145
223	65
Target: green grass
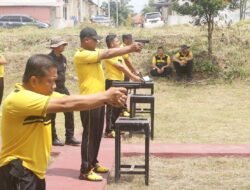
226	173
214	108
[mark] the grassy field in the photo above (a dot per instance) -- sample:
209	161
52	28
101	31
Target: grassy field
214	108
188	174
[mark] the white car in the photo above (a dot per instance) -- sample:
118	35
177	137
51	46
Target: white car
153	20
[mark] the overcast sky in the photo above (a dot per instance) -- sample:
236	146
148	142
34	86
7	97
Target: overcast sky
138	4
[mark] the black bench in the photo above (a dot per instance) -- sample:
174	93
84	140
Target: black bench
123	124
143	99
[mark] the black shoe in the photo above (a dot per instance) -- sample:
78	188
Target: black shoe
72	141
57	142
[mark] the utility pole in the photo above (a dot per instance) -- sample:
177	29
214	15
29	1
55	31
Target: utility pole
117	11
98	8
109	9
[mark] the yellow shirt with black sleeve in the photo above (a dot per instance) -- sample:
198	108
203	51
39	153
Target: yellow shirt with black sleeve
89	71
181	56
125	56
111	71
161	61
1	69
26	132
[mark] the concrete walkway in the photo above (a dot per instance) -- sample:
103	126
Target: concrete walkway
64	169
63	172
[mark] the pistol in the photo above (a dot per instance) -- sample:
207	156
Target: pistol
143	41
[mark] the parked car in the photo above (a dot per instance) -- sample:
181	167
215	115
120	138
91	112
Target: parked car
11	21
152	20
103	20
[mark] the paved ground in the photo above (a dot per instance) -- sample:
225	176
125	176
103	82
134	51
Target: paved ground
63	172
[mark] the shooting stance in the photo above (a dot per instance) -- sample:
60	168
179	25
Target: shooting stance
115	70
91	80
26	129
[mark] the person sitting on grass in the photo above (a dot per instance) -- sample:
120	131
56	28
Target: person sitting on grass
161	64
183	63
115	70
26	129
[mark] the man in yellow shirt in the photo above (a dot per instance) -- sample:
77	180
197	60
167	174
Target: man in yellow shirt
183	63
127	40
2	63
115	70
161	64
26	131
91	80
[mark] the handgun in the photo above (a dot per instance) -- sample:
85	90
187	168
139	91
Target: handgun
142	41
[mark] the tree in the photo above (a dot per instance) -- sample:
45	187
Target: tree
124	10
203	9
243	8
149	7
240	4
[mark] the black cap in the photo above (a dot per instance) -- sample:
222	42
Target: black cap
89	32
184	46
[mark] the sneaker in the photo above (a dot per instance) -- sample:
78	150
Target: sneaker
126	114
72	141
57	142
110	134
100	169
90	176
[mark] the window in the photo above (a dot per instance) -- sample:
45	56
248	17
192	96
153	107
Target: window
26	19
14	19
5	18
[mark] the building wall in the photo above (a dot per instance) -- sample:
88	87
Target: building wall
39	13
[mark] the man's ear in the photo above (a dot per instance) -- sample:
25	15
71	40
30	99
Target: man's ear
33	81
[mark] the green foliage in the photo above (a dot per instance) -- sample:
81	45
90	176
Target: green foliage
206	66
234	72
124	10
149	8
201	8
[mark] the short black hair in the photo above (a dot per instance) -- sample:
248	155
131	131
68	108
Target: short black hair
37	65
109	39
160	47
126	36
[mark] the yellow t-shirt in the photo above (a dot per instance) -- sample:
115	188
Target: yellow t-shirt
160	60
1	70
125	56
89	71
26	132
181	56
111	71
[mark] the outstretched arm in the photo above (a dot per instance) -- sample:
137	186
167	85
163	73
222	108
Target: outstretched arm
114	96
2	60
113	52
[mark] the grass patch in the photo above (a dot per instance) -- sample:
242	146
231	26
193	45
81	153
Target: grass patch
188	174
